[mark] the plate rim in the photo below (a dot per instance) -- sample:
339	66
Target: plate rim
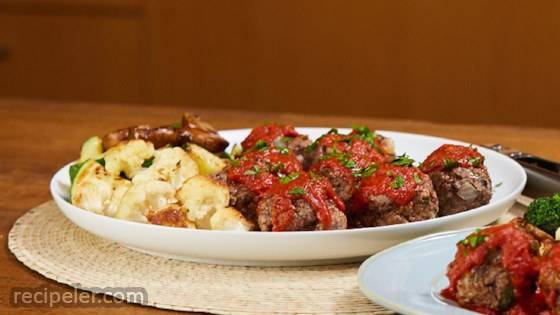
54	184
385	302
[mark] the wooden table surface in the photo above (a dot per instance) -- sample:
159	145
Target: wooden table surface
38	137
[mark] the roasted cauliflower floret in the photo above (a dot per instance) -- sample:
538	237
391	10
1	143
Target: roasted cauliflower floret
128	157
172	165
202	196
229	219
92	187
172	215
208	163
120	187
144	197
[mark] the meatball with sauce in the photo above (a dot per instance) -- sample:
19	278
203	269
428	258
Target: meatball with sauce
277	136
393	195
460	178
548	282
304	203
495	269
344	159
254	173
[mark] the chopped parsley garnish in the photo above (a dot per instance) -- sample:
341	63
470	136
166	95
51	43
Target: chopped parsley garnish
348	163
147	163
449	164
310	148
277	167
343	158
286	139
333	131
102	161
498	184
283	150
361	130
364	133
368	171
403	160
417	179
475	161
296	191
398	182
288	178
474	240
254	171
261	144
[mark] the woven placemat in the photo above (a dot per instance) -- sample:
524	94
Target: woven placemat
45	241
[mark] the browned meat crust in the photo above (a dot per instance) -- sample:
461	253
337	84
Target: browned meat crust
461	189
343	186
240	197
305	218
383	211
487	285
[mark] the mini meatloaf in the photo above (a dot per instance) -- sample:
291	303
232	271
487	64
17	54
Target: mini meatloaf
495	269
344	159
254	173
302	203
276	136
460	178
392	195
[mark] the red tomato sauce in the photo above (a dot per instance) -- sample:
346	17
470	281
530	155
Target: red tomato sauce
346	156
335	168
259	170
268	134
317	191
399	183
449	156
517	258
549	276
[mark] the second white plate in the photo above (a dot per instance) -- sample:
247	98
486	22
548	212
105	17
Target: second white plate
409	277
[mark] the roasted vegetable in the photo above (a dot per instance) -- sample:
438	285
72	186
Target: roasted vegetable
544	213
208	163
229	219
128	157
202	196
144	197
172	165
95	190
173	215
92	149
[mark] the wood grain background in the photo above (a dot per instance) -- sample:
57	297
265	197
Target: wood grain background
494	62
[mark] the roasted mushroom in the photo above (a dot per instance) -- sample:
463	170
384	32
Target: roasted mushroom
202	133
192	130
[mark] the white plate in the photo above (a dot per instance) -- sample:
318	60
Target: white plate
409	277
296	248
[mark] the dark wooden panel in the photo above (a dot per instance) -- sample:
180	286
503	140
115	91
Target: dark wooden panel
474	61
73	50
